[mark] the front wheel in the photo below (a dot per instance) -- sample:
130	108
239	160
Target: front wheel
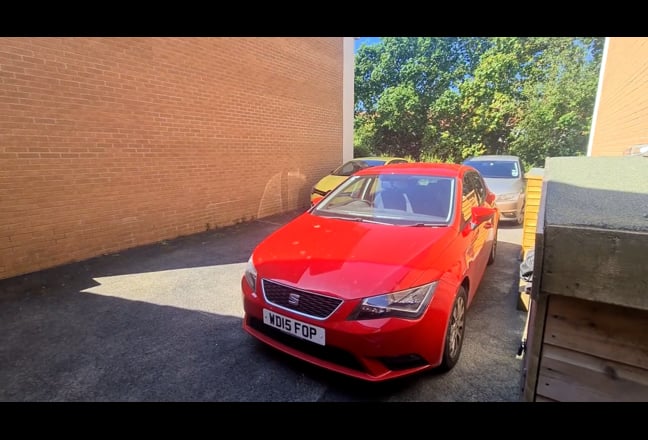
455	332
519	218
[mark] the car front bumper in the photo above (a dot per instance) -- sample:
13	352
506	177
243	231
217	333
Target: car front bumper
372	350
509	210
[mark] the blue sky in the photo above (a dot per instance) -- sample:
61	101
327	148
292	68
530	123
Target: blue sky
364	40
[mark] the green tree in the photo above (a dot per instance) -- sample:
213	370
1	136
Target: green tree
396	82
477	117
556	113
448	98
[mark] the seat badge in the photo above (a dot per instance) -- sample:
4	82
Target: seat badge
293	299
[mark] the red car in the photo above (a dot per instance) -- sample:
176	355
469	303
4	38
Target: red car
374	280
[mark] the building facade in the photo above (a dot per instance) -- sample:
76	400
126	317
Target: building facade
112	143
620	120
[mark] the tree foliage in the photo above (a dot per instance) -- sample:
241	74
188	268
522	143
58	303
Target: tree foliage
448	98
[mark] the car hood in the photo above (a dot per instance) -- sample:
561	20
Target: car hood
503	186
327	183
352	259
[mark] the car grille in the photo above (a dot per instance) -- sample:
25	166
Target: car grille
306	303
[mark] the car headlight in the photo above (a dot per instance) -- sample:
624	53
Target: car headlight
408	304
251	274
508	197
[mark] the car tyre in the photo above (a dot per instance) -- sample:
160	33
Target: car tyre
519	219
493	252
455	333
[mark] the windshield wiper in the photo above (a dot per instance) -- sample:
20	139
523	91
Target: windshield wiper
357	219
420	225
365	220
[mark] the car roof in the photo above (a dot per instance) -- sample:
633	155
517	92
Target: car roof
437	169
493	157
376	158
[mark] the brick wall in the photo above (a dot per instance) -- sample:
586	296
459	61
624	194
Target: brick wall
112	143
622	118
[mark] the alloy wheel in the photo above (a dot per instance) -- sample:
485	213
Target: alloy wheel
456	327
519	219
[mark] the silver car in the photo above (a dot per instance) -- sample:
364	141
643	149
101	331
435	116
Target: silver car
504	175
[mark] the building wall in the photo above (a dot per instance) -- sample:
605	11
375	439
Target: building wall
112	143
621	118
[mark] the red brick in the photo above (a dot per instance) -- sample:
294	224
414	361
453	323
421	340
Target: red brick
111	143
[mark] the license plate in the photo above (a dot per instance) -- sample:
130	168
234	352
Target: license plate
293	327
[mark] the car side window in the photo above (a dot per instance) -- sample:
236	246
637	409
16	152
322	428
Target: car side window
349	168
480	188
469	197
355	189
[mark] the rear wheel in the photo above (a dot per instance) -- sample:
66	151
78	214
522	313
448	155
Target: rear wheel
455	332
493	252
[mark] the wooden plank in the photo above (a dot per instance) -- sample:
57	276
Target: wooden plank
595	264
613	371
523	302
569	376
531	220
528	239
532	223
603	330
529	242
544	399
531	209
537	313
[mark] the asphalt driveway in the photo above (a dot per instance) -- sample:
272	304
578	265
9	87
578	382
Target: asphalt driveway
163	323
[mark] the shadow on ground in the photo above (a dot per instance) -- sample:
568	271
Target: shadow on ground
163	323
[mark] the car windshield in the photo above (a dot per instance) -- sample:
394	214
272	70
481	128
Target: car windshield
395	199
356	165
501	169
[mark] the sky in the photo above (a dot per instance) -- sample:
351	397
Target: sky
364	40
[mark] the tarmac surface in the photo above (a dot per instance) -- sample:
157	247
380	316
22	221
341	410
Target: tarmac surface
162	323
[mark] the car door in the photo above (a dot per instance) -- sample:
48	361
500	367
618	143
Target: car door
474	194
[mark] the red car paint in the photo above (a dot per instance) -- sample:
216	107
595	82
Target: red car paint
351	260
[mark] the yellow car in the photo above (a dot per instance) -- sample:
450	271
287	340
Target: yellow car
340	174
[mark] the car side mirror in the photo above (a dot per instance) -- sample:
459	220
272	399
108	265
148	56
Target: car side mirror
481	214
